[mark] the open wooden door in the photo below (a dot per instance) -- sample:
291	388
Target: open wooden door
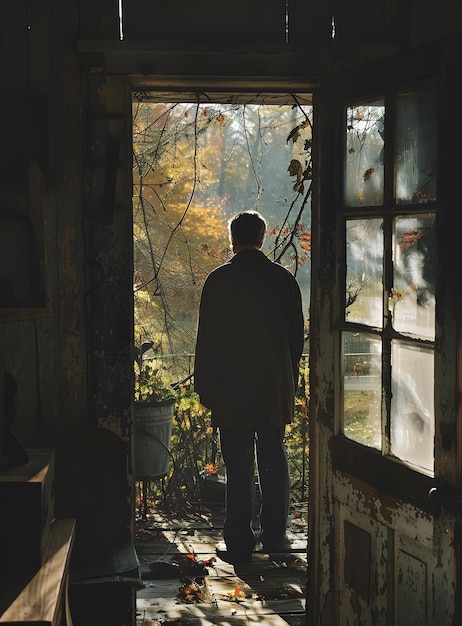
385	344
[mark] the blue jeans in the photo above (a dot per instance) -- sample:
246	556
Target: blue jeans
243	452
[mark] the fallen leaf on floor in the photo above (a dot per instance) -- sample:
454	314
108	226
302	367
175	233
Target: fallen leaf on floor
190	593
237	594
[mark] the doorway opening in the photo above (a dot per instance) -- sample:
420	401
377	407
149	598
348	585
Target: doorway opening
198	159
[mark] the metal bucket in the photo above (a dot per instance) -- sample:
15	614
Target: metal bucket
153	432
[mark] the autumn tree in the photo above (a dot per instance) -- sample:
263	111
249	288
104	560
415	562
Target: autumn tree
196	165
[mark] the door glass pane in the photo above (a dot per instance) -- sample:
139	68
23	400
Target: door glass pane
362	383
364	154
363	289
413	297
416	146
412	422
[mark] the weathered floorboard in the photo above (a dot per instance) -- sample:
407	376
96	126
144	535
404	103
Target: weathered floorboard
271	590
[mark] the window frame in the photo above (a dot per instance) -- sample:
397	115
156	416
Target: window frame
378	467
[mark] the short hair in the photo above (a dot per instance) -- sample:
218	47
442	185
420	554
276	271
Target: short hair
248	227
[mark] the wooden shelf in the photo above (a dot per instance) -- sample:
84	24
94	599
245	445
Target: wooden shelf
43	599
27	497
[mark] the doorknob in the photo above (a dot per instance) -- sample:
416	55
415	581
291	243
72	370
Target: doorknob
435	502
442	495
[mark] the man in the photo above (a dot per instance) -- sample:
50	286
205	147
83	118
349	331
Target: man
248	347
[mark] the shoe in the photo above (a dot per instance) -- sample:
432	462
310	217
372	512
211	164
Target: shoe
233	557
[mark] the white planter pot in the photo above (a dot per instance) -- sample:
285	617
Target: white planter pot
153	432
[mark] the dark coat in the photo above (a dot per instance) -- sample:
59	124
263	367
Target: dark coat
249	342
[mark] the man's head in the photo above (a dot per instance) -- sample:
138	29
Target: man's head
247	230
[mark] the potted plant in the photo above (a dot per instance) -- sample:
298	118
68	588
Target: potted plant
153	414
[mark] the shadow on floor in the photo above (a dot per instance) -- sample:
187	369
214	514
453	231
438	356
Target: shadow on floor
186	584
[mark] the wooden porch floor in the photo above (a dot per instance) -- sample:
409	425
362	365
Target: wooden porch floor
186	584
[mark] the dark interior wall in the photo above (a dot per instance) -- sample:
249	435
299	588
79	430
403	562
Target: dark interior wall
65	171
43	344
